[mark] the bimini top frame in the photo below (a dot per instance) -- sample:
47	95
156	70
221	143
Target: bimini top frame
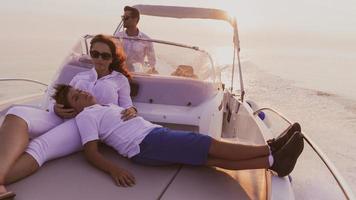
197	13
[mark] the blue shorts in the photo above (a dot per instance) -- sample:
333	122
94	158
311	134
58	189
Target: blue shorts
163	146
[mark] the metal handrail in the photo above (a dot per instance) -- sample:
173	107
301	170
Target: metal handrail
16	99
276	112
331	167
24	79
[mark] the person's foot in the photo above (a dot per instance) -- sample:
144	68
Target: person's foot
286	158
7	196
277	143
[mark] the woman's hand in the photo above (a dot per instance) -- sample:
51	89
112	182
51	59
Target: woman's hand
122	177
128	113
65	113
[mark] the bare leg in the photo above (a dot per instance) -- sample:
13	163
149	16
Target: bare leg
255	163
236	152
2	189
23	167
13	141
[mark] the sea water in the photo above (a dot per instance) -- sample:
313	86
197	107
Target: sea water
312	82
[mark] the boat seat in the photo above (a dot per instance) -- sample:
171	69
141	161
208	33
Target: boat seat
170	90
72	68
156	89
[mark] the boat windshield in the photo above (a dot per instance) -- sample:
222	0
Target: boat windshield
199	49
157	57
175	64
207	51
168	59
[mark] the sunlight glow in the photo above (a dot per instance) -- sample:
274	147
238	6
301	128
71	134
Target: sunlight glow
230	8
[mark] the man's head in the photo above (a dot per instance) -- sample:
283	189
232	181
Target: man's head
70	97
131	17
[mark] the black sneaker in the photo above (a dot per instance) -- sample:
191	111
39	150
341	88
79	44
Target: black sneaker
286	158
276	143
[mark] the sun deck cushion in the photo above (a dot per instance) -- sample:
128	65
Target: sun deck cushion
72	177
208	184
170	90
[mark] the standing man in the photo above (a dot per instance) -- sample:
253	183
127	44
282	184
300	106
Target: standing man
136	50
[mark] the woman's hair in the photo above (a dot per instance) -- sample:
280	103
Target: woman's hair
118	55
61	95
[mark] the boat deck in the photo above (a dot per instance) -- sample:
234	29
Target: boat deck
73	177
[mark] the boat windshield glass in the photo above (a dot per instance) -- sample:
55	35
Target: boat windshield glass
213	36
198	49
157	57
168	59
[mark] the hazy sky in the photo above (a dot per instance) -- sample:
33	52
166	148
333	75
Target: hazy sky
39	25
330	16
323	18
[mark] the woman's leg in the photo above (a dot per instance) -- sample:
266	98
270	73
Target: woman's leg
236	152
38	121
60	141
23	167
20	124
13	141
255	163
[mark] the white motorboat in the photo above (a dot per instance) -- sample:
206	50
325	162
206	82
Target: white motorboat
196	99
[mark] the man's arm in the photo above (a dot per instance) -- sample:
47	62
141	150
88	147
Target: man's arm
151	56
65	113
120	176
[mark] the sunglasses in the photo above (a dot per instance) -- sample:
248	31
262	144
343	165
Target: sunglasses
126	17
97	54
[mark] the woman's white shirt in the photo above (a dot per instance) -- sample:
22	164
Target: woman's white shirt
113	88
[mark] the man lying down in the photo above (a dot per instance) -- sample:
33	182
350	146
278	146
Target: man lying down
141	141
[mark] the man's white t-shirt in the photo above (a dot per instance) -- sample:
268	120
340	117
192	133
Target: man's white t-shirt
103	122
